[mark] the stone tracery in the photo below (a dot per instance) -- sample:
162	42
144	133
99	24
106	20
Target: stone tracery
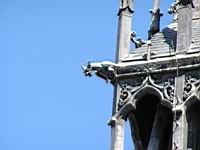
152	72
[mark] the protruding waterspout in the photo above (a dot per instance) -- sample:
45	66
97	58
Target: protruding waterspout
105	70
87	70
155	21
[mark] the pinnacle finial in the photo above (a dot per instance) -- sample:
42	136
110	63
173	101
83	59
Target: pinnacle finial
155	21
126	4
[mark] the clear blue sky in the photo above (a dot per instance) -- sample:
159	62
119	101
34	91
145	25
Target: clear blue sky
46	103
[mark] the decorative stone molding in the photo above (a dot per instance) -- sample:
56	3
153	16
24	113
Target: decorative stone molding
147	68
125	95
115	120
128	92
109	71
169	90
189	87
126	4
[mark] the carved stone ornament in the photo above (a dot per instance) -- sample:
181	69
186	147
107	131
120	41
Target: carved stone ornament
126	4
105	70
174	10
169	90
189	87
128	92
125	95
138	41
147	68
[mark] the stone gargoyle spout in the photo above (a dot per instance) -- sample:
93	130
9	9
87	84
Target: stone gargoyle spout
105	70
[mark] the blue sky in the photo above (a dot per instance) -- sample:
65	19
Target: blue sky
46	103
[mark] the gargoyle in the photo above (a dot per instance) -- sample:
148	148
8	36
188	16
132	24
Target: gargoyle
105	70
174	10
137	41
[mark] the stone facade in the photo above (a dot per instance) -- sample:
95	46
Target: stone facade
156	85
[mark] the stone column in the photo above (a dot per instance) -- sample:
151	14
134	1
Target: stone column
180	128
135	132
184	37
179	135
122	52
184	33
117	134
124	30
156	5
161	124
117	125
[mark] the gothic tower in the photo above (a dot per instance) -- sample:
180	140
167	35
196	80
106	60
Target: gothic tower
156	85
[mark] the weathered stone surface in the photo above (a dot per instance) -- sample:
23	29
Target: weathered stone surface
156	85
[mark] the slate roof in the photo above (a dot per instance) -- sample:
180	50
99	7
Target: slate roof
163	44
